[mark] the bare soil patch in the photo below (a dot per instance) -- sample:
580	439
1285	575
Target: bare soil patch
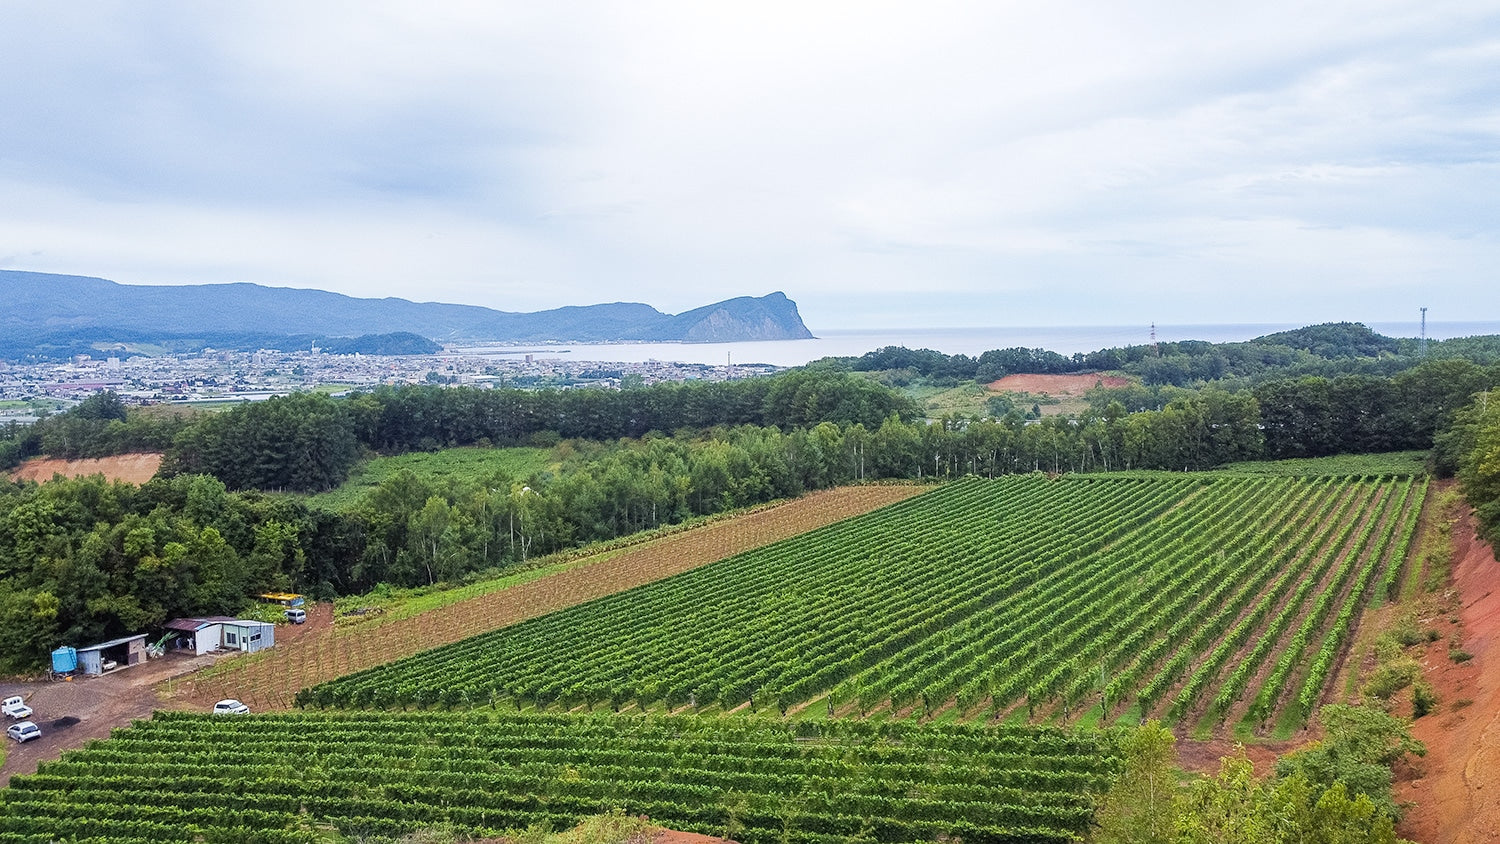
672	836
1204	757
1454	791
73	713
269	680
1057	385
657	835
131	468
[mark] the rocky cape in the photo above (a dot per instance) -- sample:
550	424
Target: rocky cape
53	314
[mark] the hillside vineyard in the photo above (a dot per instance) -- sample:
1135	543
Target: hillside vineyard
279	778
1199	599
1217	598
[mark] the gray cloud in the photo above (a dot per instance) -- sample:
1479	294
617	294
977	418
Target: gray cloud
882	163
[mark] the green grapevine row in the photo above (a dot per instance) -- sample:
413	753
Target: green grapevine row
286	778
981	595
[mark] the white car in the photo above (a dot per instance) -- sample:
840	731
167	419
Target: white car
15	707
231	707
24	731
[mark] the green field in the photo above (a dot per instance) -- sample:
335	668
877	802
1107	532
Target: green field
293	778
1186	597
1389	463
438	467
34	405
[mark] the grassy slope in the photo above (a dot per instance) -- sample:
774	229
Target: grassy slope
1390	463
437	467
968	399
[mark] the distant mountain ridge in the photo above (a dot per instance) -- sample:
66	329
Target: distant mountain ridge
42	305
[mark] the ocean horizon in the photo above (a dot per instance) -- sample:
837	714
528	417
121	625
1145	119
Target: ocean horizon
1065	340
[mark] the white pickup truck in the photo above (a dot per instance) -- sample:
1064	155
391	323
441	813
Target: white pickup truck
15	707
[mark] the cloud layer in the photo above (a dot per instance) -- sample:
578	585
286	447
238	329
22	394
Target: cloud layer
883	163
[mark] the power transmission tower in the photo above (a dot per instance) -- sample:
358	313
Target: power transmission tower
1422	344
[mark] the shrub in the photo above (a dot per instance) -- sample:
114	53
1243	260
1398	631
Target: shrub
1392	677
1423	699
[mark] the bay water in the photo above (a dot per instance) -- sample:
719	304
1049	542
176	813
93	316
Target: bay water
1064	340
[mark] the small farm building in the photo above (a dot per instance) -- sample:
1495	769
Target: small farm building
116	653
218	632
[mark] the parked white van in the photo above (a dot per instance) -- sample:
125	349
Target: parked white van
15	707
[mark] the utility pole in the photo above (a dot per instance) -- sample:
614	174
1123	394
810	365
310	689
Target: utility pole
1422	345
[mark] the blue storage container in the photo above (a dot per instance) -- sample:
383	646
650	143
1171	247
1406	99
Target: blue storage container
64	660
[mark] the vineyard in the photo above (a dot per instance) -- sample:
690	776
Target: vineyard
1197	598
269	679
892	658
290	777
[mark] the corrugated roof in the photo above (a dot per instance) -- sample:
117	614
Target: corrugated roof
193	625
111	643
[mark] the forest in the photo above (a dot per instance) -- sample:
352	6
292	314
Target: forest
1327	350
84	559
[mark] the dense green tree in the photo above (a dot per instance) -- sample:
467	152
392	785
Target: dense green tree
103	406
1143	805
302	442
1473	445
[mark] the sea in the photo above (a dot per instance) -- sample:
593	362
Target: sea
1064	340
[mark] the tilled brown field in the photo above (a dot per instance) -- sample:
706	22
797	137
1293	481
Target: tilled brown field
269	680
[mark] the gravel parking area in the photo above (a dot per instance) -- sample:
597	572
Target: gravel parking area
73	712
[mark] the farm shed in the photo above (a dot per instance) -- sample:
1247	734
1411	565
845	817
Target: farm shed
249	636
123	652
202	635
199	635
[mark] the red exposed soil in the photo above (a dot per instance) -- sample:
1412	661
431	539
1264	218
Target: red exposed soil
1455	789
1057	385
131	468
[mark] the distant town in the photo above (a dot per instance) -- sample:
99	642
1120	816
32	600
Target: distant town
28	390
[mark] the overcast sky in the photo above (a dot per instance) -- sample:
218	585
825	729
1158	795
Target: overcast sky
935	164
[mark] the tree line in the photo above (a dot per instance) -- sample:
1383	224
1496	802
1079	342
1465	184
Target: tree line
1328	350
308	442
1470	447
1318	416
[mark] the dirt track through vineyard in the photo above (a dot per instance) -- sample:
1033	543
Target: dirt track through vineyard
270	680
